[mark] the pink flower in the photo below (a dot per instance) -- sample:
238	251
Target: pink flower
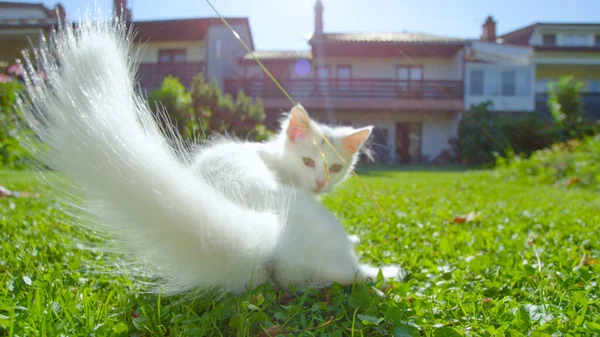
5	78
14	69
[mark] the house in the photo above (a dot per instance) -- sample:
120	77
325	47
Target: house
563	49
499	72
410	86
21	23
182	48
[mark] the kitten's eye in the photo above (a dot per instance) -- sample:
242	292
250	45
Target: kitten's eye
308	162
335	168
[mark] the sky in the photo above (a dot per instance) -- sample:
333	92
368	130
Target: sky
287	24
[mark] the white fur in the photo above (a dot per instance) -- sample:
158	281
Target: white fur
202	227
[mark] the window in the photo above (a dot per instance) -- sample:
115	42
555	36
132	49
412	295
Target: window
523	82
476	82
218	48
549	39
323	72
541	86
597	40
574	39
323	76
492	85
409	73
172	56
508	82
344	74
594	86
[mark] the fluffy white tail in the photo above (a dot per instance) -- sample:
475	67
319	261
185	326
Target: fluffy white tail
103	137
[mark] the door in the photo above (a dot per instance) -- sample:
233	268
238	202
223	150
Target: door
402	139
323	76
408	143
344	74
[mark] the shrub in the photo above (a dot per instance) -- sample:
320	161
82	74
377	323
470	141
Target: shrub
483	135
565	105
575	162
204	110
12	154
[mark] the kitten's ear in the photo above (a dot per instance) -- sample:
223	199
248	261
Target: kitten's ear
355	140
299	124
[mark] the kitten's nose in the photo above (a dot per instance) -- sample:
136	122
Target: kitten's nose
320	183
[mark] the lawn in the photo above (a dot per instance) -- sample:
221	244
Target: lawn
516	268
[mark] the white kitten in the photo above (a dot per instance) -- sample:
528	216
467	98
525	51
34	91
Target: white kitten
203	229
293	156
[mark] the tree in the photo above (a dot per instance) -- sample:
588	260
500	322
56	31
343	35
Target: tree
204	110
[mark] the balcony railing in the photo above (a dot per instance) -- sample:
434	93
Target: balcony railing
591	106
355	88
152	74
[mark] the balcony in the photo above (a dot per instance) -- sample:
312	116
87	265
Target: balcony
152	74
356	93
591	106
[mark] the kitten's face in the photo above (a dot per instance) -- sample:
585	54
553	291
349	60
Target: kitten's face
304	159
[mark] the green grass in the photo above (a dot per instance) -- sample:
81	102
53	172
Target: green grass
479	278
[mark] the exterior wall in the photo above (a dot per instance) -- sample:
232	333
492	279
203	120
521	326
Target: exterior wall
22	13
223	51
566	58
11	46
385	68
501	103
551	73
437	128
195	50
537	37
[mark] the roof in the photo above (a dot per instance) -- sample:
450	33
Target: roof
521	36
403	37
5	4
182	29
28	23
274	55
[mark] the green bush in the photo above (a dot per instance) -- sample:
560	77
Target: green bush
12	154
565	105
204	110
483	135
575	162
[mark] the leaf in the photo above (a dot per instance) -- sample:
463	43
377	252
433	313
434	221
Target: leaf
592	326
587	260
472	216
367	320
120	329
446	332
405	330
572	181
272	331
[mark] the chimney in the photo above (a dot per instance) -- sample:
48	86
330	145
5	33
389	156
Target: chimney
318	18
489	30
58	12
120	8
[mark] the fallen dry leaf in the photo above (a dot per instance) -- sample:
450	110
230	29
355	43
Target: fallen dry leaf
465	218
5	192
572	181
587	260
272	331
